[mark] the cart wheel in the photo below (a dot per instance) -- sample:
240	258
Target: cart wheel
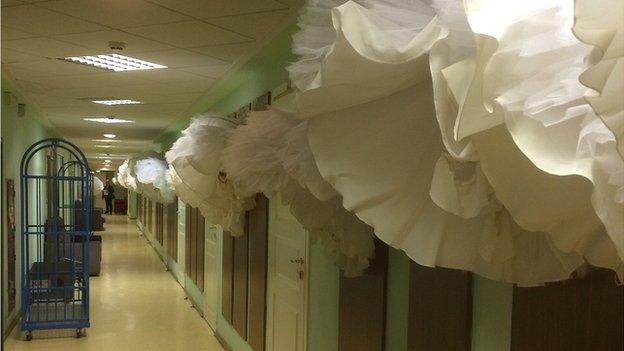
29	336
80	333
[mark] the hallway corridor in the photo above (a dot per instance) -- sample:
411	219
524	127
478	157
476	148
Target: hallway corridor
135	304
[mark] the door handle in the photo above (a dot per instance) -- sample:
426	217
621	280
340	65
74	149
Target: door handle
298	260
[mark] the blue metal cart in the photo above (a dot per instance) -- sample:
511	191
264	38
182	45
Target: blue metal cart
55	228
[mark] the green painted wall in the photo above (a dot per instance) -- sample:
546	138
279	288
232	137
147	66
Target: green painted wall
18	133
132	204
260	74
491	309
398	300
492	301
491	315
323	288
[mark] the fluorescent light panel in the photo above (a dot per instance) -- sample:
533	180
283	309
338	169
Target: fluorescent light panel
110	136
117	102
108	120
114	62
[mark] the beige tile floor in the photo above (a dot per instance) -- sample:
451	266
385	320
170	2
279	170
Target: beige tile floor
135	304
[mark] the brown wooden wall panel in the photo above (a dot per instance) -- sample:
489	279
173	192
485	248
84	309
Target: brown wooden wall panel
150	216
140	208
362	306
192	256
159	223
258	245
576	315
227	270
200	237
440	309
240	287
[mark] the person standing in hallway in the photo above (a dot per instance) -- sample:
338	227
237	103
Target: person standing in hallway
108	193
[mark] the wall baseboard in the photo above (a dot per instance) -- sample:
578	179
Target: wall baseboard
11	323
222	342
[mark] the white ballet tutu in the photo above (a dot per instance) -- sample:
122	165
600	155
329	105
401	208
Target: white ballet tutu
465	139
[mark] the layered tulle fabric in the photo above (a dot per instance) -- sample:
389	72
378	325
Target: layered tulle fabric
270	155
98	186
199	179
599	23
152	171
496	165
539	134
124	176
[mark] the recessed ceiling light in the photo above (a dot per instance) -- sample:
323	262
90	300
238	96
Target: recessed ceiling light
108	161
110	136
103	146
117	102
108	120
114	62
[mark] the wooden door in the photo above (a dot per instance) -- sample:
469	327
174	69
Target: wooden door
362	311
440	309
287	281
258	243
577	315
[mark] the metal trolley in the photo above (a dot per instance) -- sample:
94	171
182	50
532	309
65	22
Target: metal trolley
55	228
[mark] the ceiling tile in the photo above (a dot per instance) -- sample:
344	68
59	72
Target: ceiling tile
292	3
255	25
46	68
178	58
212	71
188	34
99	41
113	79
45	100
121	91
167	98
6	3
37	20
177	80
12	56
116	13
228	52
216	8
47	47
10	33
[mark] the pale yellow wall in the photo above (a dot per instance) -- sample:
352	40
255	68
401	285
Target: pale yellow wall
18	133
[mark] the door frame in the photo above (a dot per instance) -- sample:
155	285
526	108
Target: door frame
270	282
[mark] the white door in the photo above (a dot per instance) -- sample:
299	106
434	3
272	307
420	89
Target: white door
210	274
286	281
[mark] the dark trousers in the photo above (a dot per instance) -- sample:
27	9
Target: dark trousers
109	204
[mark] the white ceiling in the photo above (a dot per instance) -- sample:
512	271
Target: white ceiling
201	41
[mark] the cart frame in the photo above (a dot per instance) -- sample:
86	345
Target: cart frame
55	232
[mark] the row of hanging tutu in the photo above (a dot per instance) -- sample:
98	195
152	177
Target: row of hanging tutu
483	135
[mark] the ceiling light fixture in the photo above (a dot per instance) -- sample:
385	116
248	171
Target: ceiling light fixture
108	120
110	136
103	146
114	62
117	102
